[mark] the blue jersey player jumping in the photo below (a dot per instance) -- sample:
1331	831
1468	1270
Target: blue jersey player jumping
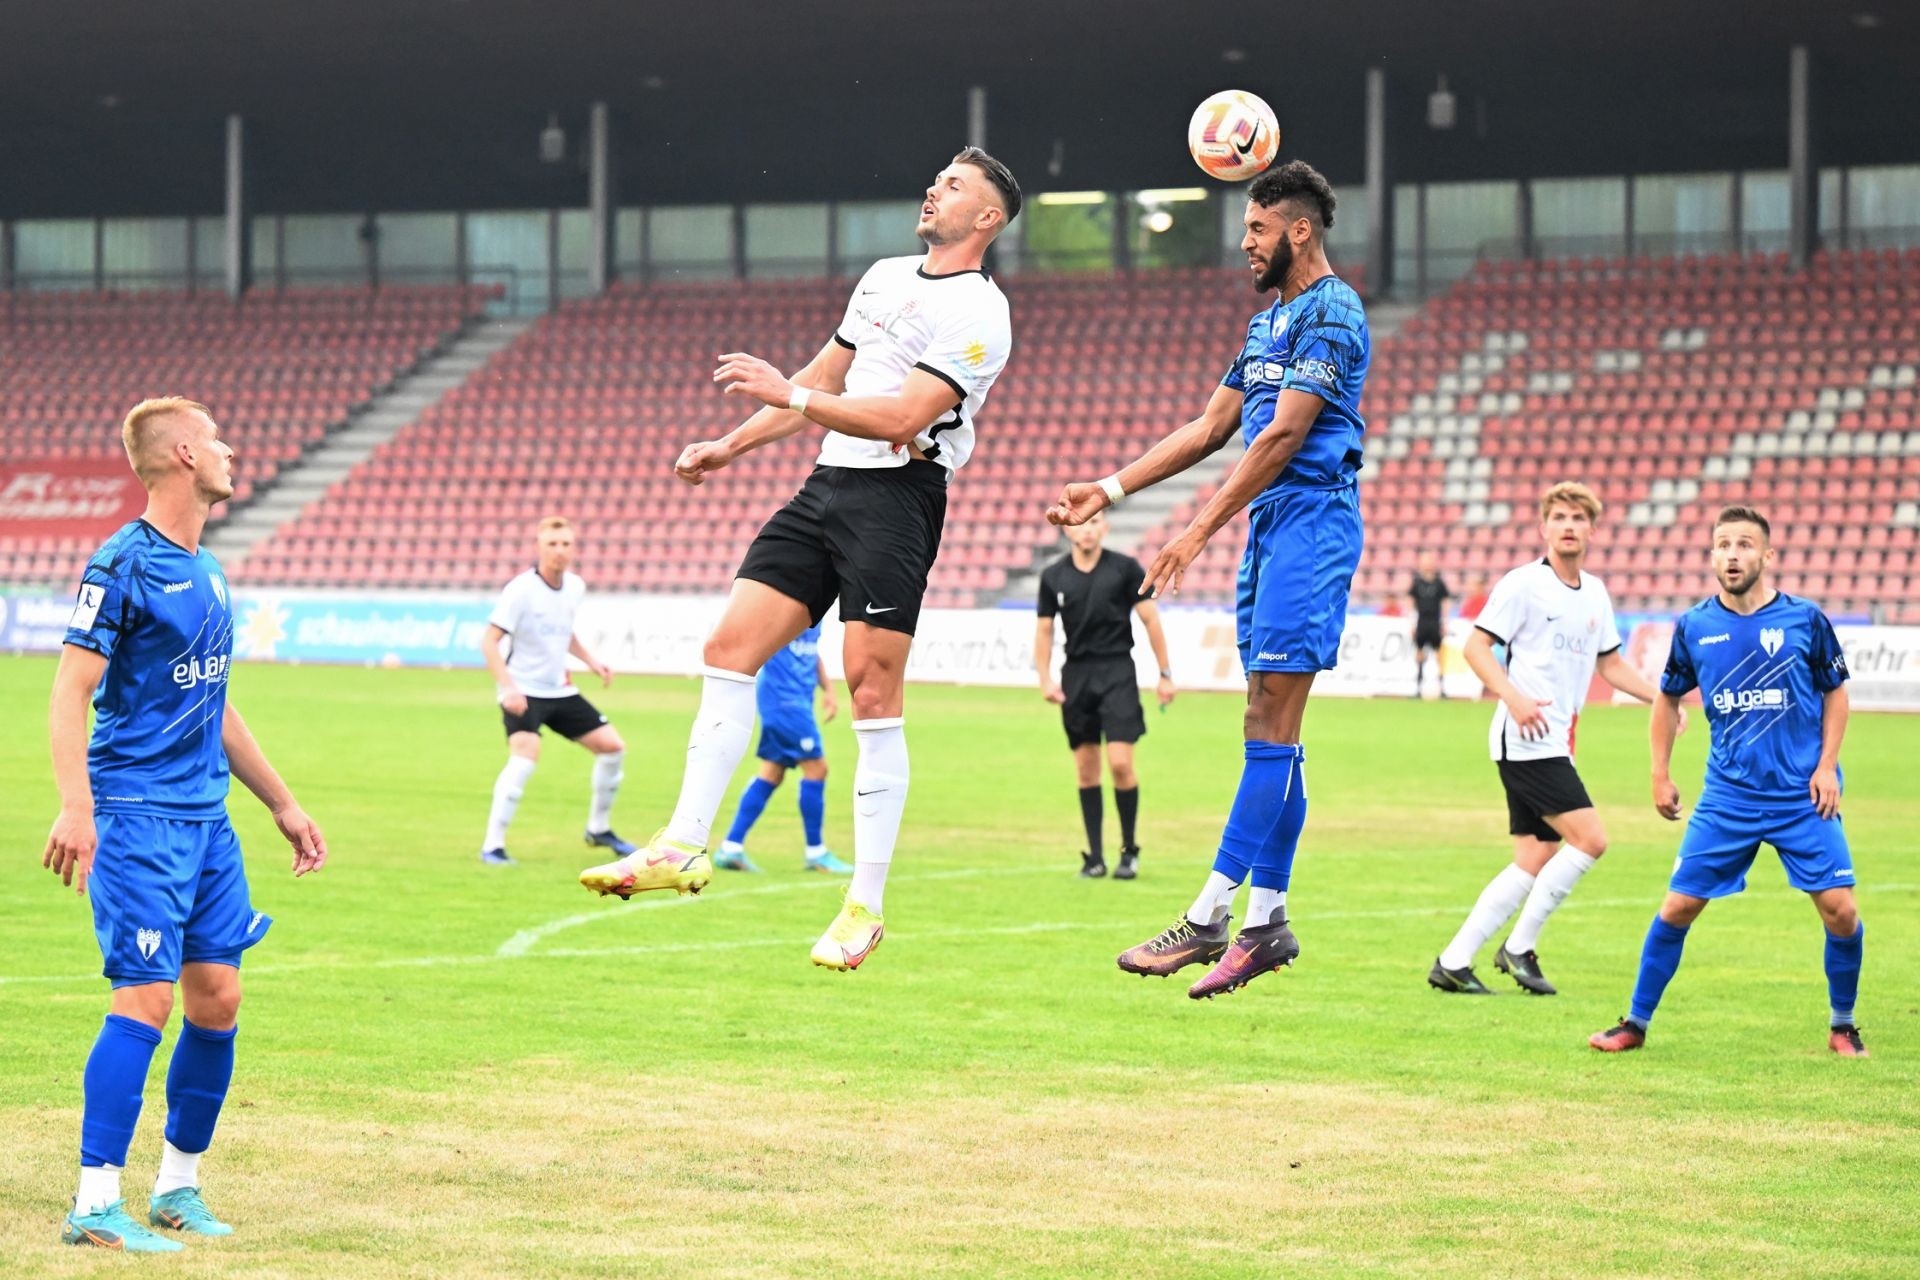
143	824
1772	677
789	737
1293	393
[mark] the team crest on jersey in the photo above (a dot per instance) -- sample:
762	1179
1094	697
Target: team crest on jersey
219	586
148	941
1771	638
975	355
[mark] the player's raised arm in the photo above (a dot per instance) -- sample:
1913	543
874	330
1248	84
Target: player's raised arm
1294	412
70	845
826	372
924	399
1179	450
249	764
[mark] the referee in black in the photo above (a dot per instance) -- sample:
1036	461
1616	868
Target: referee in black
1094	593
1429	594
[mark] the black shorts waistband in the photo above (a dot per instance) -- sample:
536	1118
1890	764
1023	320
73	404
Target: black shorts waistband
922	471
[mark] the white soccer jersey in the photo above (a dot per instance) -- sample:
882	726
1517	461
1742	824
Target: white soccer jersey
1554	634
899	319
538	620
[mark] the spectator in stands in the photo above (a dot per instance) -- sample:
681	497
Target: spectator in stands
1476	599
1390	606
1095	593
1429	594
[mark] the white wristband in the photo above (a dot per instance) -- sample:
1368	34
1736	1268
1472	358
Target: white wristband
798	400
1111	487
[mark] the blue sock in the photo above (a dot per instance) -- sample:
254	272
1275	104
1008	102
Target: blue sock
197	1080
1659	960
1253	836
753	802
1273	865
813	810
1843	973
115	1079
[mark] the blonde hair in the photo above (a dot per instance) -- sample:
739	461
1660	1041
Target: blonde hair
1571	493
553	522
139	431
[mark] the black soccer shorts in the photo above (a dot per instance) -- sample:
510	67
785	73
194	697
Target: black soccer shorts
867	537
1536	788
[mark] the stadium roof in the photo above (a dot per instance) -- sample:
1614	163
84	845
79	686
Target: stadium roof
114	106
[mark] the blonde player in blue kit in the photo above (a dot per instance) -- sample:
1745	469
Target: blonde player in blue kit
1773	680
143	824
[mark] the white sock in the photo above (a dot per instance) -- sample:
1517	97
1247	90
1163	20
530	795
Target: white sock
880	780
715	748
606	785
99	1187
1215	901
507	790
732	846
816	850
1265	905
1557	878
177	1169
1500	899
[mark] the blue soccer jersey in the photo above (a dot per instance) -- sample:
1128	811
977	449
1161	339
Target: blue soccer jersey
1761	678
160	616
786	684
1316	343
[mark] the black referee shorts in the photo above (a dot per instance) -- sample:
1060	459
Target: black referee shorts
1103	702
1536	788
865	536
1427	636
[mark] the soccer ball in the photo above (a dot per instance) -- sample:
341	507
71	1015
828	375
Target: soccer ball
1233	135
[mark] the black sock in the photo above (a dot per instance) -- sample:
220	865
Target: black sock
1090	813
1128	803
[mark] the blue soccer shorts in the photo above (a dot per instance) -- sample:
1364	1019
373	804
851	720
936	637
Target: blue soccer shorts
787	740
1722	841
1302	550
168	892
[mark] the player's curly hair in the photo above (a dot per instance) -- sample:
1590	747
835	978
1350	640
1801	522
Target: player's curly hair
1298	182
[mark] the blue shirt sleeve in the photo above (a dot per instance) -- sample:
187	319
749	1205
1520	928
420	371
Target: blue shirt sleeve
1233	378
1679	679
1826	659
1325	348
104	610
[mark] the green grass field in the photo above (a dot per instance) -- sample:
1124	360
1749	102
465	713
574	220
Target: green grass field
447	1070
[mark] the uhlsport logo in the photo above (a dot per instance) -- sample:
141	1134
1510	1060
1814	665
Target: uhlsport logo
148	941
1771	638
197	671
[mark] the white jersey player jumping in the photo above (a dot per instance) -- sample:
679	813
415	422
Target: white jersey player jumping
898	387
534	618
1556	621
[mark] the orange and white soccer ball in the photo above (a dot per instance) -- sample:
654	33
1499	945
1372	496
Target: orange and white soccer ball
1233	135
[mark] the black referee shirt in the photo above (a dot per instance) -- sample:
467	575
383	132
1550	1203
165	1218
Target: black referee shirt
1429	594
1097	606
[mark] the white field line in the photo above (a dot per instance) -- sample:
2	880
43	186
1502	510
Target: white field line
676	948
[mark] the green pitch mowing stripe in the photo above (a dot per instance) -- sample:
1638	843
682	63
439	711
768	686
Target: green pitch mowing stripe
452	1070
